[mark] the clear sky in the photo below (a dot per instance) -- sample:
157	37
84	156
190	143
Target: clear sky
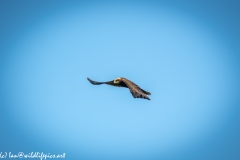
183	57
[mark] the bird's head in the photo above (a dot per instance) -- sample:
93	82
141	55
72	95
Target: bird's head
117	80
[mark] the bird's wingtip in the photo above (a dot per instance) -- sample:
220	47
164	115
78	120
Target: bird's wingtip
89	79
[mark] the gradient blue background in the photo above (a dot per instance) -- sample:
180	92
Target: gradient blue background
185	53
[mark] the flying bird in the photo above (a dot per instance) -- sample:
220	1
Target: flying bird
136	91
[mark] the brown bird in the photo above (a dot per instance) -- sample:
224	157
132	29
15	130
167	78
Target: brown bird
136	91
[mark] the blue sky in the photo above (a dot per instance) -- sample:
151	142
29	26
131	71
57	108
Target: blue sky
187	58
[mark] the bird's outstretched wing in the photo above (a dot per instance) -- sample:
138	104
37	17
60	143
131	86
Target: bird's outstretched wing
121	84
136	91
94	82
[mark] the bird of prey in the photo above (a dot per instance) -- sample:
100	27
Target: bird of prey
136	91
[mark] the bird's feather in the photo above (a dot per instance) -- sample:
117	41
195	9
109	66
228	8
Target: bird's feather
136	91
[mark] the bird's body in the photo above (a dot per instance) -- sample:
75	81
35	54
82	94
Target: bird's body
136	91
